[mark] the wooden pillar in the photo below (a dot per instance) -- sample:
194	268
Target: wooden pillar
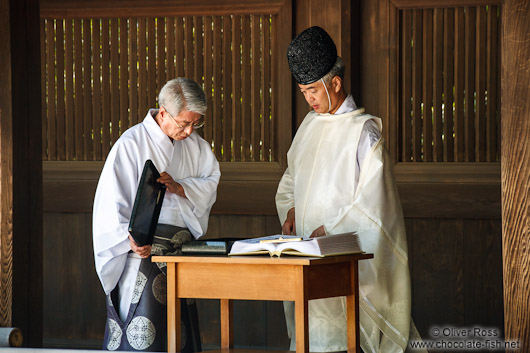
21	169
515	169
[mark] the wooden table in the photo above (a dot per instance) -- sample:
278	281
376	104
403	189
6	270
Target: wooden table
293	278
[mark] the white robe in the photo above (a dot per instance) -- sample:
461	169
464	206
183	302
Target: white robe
190	162
326	187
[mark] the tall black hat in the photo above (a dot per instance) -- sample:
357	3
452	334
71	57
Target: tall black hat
311	55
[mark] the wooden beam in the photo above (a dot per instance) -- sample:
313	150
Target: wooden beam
154	8
431	4
6	168
515	170
458	189
21	170
26	144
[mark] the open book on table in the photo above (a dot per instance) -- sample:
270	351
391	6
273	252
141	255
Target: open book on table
277	245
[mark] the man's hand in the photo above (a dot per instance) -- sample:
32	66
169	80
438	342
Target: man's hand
143	251
289	226
320	231
171	185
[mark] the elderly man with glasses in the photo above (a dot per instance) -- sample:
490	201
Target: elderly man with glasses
135	287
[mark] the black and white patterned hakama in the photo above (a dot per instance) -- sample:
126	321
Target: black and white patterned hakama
145	328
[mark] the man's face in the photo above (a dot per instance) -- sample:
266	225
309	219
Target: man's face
180	126
315	95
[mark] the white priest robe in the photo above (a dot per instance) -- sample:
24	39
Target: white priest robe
190	162
326	187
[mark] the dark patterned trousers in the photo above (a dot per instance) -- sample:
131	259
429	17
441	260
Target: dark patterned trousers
145	328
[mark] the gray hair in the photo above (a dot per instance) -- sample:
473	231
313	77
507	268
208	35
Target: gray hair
182	94
337	70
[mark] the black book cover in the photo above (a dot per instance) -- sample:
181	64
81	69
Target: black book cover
220	246
147	205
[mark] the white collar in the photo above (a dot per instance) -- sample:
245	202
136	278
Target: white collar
347	106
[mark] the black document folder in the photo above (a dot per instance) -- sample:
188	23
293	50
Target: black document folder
220	246
147	205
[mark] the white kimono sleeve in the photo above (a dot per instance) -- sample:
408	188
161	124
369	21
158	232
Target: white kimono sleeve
201	193
112	210
285	196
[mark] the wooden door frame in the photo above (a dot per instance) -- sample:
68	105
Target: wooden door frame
21	171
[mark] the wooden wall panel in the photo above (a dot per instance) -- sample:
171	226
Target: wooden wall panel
438	274
74	301
456	273
482	263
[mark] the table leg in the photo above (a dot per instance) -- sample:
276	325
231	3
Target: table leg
301	312
173	311
352	311
227	324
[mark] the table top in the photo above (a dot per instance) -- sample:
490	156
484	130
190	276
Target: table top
263	259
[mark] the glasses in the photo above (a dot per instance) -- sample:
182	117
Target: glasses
196	125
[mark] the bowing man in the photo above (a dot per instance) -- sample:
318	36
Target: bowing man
134	286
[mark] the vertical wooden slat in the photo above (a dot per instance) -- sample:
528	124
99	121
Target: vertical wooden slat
179	47
245	89
78	63
491	86
255	85
114	80
105	84
236	87
69	85
438	85
480	97
274	88
448	84
198	49
427	84
189	46
59	56
265	84
390	101
87	91
43	80
208	72
151	69
124	76
96	97
170	32
459	116
417	64
227	89
217	87
135	114
406	85
142	69
469	100
50	54
161	51
498	101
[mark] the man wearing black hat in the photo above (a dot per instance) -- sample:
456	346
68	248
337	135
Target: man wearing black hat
339	179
